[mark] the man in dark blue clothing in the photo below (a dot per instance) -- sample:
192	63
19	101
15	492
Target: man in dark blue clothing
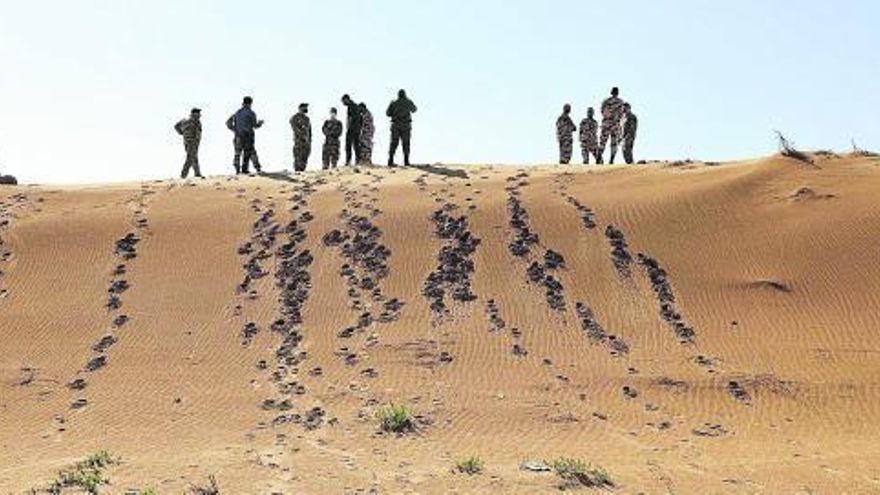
244	123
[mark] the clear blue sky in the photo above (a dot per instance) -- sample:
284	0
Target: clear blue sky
92	88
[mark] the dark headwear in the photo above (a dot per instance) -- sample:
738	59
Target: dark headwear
615	91
303	106
247	100
332	109
401	94
362	105
196	110
566	108
346	97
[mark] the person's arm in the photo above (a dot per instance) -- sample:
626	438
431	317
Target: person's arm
179	127
390	110
412	107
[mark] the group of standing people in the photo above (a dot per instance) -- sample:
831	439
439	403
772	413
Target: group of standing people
619	123
359	130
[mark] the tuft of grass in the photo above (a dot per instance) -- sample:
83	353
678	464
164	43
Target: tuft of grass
470	465
395	419
576	472
210	489
149	491
86	475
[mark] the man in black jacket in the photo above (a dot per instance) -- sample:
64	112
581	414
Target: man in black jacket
352	130
400	111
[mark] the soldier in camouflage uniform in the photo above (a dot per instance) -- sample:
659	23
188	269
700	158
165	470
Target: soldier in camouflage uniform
302	137
564	129
630	126
332	130
612	111
191	130
589	137
368	129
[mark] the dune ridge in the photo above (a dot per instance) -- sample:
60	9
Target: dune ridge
690	329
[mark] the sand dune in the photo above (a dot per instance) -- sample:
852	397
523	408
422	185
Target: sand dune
692	329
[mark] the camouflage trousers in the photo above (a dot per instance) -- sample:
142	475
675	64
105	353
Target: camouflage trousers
590	148
628	144
192	160
330	153
366	153
609	129
301	152
565	149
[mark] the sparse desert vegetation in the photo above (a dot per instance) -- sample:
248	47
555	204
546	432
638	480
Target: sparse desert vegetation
576	472
395	418
471	465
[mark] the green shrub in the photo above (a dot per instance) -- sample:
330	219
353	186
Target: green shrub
395	419
574	472
470	465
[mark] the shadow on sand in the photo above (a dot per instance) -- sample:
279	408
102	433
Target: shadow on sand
439	170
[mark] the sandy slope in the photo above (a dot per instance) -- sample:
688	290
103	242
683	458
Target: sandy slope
772	264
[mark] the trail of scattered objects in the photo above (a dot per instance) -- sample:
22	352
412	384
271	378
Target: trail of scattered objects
294	283
666	299
448	287
125	252
359	242
661	286
540	270
256	252
450	281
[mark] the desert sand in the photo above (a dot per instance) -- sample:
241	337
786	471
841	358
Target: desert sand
689	327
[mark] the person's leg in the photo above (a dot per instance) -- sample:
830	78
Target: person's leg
247	144
236	157
585	152
614	138
568	146
195	160
628	151
348	144
603	140
395	140
406	136
187	164
325	156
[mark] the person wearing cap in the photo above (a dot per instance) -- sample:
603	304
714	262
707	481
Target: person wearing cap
243	123
332	130
302	137
368	129
400	111
191	130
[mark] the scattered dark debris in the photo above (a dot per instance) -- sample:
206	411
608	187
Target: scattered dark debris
666	299
620	255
